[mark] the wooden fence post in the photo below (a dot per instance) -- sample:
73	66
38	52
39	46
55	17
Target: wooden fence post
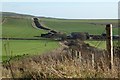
72	53
109	43
93	60
80	56
76	54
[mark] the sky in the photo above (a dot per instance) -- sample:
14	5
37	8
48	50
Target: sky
89	9
59	0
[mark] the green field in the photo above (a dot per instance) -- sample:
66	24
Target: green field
31	47
19	28
69	26
100	44
22	28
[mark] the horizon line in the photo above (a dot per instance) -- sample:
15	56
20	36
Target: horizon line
51	16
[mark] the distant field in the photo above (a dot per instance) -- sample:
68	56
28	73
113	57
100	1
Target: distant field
31	47
100	44
22	28
19	28
69	26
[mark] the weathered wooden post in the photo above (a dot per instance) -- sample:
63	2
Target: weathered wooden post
93	60
109	43
76	53
79	56
72	53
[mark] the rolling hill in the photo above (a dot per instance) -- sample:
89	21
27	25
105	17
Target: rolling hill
12	14
20	26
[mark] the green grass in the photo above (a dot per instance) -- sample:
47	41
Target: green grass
22	28
100	44
69	26
31	47
0	30
81	20
19	28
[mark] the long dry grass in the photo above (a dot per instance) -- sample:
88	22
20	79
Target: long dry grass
60	63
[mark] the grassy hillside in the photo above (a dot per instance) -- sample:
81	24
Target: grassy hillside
19	28
69	26
12	14
61	63
76	25
22	28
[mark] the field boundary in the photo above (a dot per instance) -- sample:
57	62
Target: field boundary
21	39
33	24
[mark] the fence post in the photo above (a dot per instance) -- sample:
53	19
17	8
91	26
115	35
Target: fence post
72	53
109	44
80	56
76	56
93	60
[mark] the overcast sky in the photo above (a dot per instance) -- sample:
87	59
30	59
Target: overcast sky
70	10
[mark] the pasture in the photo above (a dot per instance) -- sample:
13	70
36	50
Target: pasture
19	28
100	44
76	25
69	26
22	28
27	47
